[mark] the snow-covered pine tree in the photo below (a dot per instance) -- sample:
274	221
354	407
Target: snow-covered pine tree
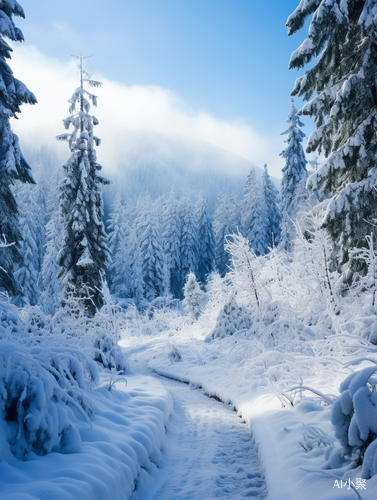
188	241
50	296
255	223
205	241
235	212
126	265
194	298
293	191
28	273
130	212
84	256
120	265
135	275
342	35
13	166
155	274
50	284
116	225
222	226
40	194
271	197
171	242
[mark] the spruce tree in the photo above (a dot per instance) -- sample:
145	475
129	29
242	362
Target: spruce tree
172	229
27	275
50	296
135	275
188	241
154	268
205	241
222	226
13	166
194	298
116	224
126	265
271	198
293	191
84	255
342	36
254	214
235	212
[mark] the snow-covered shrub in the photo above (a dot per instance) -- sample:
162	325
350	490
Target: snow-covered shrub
106	352
314	437
366	322
149	321
194	298
35	321
40	384
217	290
364	290
166	301
271	312
71	319
354	415
245	270
174	355
8	317
232	318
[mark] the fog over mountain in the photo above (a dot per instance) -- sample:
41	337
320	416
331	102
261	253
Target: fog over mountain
154	163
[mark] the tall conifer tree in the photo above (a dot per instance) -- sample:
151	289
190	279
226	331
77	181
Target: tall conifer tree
271	198
188	241
84	255
205	241
254	215
342	35
222	226
294	176
172	229
116	225
32	232
51	285
154	268
13	166
235	212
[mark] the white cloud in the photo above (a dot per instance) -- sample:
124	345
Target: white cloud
123	109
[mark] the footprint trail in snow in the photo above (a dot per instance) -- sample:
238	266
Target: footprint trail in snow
209	453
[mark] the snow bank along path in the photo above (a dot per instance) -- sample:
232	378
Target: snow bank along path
125	438
209	453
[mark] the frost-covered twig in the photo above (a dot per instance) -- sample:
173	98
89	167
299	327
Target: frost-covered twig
329	400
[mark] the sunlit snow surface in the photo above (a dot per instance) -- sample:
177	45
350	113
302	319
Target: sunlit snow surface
226	368
126	435
209	453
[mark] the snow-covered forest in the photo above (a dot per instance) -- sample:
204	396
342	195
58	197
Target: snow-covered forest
264	300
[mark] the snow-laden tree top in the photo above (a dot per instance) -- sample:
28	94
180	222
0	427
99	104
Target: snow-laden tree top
79	116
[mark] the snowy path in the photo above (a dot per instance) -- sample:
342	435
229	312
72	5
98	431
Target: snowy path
209	453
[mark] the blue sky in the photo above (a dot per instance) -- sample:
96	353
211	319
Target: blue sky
226	58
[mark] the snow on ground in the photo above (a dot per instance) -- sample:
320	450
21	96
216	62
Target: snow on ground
208	454
291	441
127	433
